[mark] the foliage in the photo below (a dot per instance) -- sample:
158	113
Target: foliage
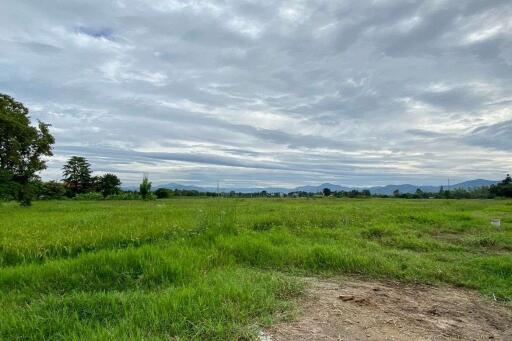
52	190
89	196
504	188
326	192
145	188
8	188
22	149
77	175
163	193
124	196
108	184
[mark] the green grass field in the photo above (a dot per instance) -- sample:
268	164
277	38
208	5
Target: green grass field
223	268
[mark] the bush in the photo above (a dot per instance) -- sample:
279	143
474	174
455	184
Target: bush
150	196
89	196
52	190
163	193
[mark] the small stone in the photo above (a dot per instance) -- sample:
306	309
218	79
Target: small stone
346	298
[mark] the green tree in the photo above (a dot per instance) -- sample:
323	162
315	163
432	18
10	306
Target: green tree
22	148
52	190
77	175
419	193
326	192
366	193
507	181
503	189
108	184
145	187
163	193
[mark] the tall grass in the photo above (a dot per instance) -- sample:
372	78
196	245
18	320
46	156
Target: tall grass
221	268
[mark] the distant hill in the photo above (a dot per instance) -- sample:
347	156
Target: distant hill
214	189
173	185
383	190
258	189
407	188
316	189
474	183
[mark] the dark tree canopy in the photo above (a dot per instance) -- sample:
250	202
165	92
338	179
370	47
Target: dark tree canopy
108	184
52	190
162	193
77	175
326	192
507	180
22	146
504	188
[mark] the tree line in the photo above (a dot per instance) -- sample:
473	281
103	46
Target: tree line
24	149
77	182
23	152
502	189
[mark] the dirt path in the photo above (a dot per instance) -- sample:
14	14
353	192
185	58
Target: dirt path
353	309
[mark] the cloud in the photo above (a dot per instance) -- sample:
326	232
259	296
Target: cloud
266	92
95	32
495	136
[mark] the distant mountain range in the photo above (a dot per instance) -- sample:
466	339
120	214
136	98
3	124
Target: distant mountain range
389	189
385	190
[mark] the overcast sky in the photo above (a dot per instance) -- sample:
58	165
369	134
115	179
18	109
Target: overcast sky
264	93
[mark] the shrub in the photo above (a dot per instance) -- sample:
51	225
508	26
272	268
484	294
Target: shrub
89	196
124	196
52	190
163	193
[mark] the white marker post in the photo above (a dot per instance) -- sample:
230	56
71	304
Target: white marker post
496	222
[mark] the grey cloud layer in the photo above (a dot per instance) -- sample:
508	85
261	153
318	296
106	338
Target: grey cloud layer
257	92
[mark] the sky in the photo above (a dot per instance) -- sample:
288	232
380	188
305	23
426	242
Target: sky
267	93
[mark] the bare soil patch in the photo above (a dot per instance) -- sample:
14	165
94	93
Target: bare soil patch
354	309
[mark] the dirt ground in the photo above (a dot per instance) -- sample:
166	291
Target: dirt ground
353	309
